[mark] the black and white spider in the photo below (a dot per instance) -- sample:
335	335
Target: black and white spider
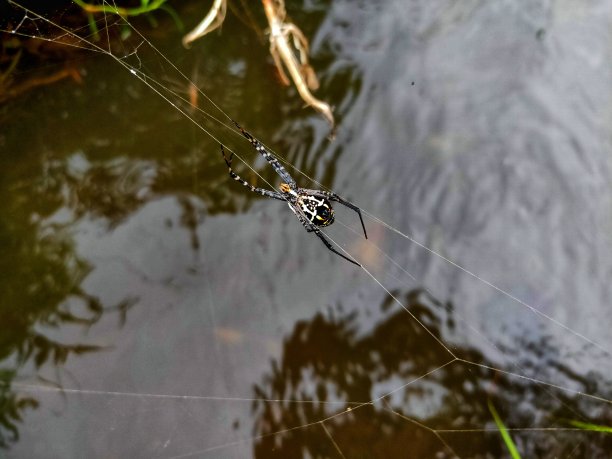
312	207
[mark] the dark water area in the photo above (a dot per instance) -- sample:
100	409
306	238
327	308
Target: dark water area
150	306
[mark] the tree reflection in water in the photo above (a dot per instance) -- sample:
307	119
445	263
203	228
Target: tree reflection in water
326	359
42	273
39	287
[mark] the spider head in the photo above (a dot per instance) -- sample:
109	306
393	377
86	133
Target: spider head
318	210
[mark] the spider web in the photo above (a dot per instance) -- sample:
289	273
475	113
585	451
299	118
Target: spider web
548	377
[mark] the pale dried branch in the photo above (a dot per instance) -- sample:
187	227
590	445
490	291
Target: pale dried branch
284	54
301	72
211	21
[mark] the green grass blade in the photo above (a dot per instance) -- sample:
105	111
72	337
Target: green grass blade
174	15
591	427
145	7
504	432
93	27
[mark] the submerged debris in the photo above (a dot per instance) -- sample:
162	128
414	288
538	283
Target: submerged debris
18	53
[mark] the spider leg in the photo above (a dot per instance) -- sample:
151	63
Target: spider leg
303	220
318	232
313	229
334	197
263	151
261	191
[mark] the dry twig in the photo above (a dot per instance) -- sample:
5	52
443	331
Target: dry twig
211	21
301	72
283	53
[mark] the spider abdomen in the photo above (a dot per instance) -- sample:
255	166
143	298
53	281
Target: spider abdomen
318	210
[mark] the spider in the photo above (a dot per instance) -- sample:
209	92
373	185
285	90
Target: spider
312	207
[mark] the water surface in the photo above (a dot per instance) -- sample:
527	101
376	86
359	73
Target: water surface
169	302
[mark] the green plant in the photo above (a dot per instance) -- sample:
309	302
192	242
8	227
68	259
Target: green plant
146	7
504	432
590	427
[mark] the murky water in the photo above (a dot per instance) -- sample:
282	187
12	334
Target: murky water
169	302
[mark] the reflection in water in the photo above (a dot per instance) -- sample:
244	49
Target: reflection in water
40	287
327	359
12	407
92	172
